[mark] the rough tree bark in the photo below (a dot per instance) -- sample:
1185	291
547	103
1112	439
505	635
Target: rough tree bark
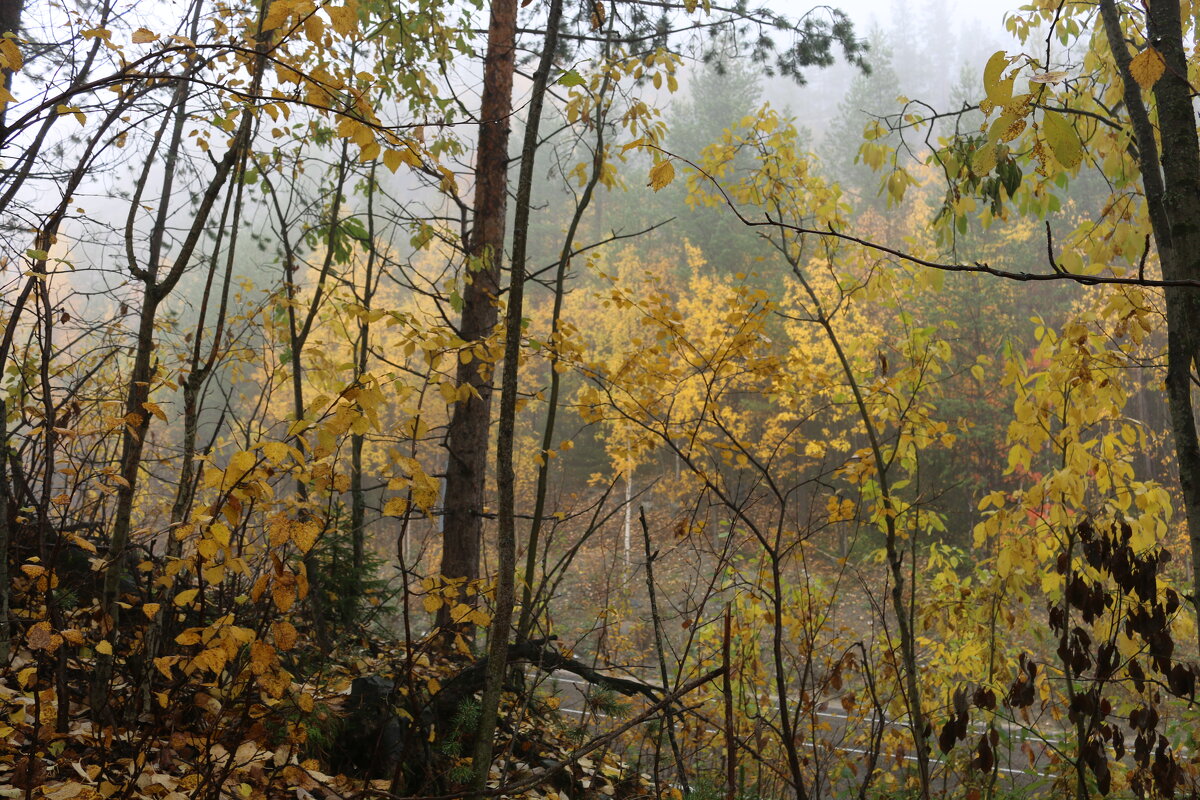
467	434
1172	188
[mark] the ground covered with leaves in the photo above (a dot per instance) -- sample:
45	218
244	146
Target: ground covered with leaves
360	725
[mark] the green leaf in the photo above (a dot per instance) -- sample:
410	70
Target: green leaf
571	78
985	159
896	183
1062	139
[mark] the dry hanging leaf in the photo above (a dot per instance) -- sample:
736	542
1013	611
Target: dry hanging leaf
41	637
661	174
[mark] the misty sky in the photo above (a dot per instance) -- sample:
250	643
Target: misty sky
863	12
958	36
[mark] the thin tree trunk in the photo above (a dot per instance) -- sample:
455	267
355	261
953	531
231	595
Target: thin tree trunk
358	501
200	367
902	605
660	639
137	415
37	275
10	23
505	471
528	618
5	537
298	333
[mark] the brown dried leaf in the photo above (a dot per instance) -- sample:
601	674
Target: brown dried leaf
42	637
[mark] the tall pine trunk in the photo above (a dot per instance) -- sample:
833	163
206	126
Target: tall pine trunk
467	434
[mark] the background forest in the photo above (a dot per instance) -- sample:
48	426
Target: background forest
620	398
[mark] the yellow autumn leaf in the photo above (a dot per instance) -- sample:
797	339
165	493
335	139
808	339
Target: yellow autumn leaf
275	452
220	533
189	637
464	612
259	588
26	677
285	634
344	19
897	183
305	534
81	118
150	609
306	703
635	143
212	659
998	91
432	603
185	597
10	55
208	549
104	648
284	596
1013	128
279	530
242	462
661	174
262	657
1147	67
279	12
144	36
984	160
395	507
370	151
